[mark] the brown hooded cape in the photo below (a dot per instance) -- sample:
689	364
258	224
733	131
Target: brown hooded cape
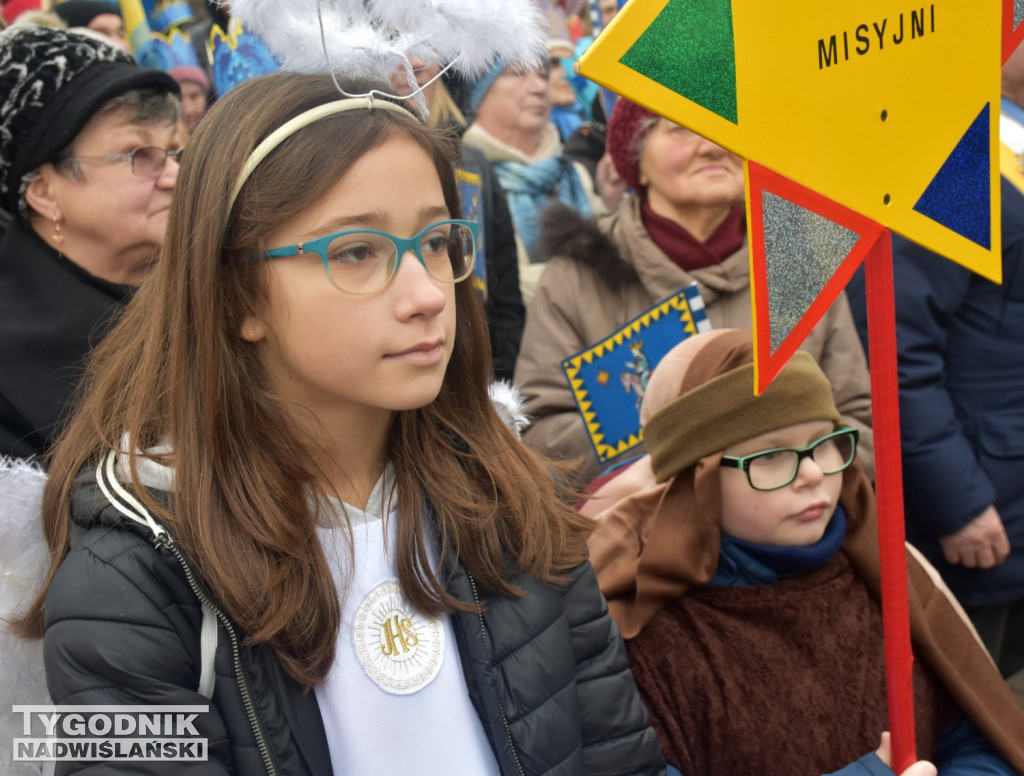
710	669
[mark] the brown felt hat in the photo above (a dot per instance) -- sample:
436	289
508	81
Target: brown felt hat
704	399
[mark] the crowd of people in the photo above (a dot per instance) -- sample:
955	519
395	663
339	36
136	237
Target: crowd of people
253	337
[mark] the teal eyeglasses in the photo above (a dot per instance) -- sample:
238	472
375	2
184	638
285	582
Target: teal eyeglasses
776	468
362	261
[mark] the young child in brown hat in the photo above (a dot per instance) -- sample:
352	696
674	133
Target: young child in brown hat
740	561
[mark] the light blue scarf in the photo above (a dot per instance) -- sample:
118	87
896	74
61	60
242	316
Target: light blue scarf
532	187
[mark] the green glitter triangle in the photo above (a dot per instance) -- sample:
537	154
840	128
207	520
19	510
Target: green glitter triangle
689	49
802	251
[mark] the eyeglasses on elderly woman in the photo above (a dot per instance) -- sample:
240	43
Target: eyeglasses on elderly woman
145	161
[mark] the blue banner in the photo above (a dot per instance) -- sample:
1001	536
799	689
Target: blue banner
609	378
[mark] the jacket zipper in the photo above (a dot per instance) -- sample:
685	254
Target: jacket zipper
164	539
501	707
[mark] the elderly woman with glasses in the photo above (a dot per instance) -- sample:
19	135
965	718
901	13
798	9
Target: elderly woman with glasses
683	223
89	148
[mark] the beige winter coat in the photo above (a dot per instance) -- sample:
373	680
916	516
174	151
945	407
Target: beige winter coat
605	273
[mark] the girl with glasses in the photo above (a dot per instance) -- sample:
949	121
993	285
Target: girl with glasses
740	561
287	495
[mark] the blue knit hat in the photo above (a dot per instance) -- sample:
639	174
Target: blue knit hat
479	89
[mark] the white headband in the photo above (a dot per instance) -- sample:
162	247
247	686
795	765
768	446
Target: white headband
290	127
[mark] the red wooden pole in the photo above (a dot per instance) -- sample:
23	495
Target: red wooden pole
889	484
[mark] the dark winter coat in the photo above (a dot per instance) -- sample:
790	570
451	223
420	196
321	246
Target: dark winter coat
52	313
960	341
502	299
546	673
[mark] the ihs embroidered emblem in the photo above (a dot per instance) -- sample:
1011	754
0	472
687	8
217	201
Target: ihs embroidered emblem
398	648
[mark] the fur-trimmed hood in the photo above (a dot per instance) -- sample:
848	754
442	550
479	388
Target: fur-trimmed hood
565	233
619	249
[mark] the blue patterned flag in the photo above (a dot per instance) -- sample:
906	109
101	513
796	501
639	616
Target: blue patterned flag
473	210
610	377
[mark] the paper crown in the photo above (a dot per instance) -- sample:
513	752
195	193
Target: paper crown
147	26
166	52
238	56
164	15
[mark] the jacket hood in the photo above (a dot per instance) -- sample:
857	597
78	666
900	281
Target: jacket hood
101	498
567	234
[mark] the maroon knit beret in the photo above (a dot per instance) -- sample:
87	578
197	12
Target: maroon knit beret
623	139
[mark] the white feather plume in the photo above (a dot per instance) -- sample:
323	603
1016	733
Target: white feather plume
371	38
24	559
508	403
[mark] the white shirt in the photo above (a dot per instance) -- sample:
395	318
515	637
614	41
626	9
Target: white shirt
395	700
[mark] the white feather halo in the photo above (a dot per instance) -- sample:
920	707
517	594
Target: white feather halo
371	38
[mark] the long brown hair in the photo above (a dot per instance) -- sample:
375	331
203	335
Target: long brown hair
176	369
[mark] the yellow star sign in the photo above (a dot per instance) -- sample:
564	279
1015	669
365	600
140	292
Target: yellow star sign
889	107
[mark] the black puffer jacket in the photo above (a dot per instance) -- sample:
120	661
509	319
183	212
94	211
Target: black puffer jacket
547	672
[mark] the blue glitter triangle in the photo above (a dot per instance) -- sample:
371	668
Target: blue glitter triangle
959	196
802	251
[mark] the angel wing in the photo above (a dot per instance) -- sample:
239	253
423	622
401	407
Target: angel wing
24	558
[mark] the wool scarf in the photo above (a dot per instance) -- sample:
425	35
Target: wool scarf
531	187
685	250
746	563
